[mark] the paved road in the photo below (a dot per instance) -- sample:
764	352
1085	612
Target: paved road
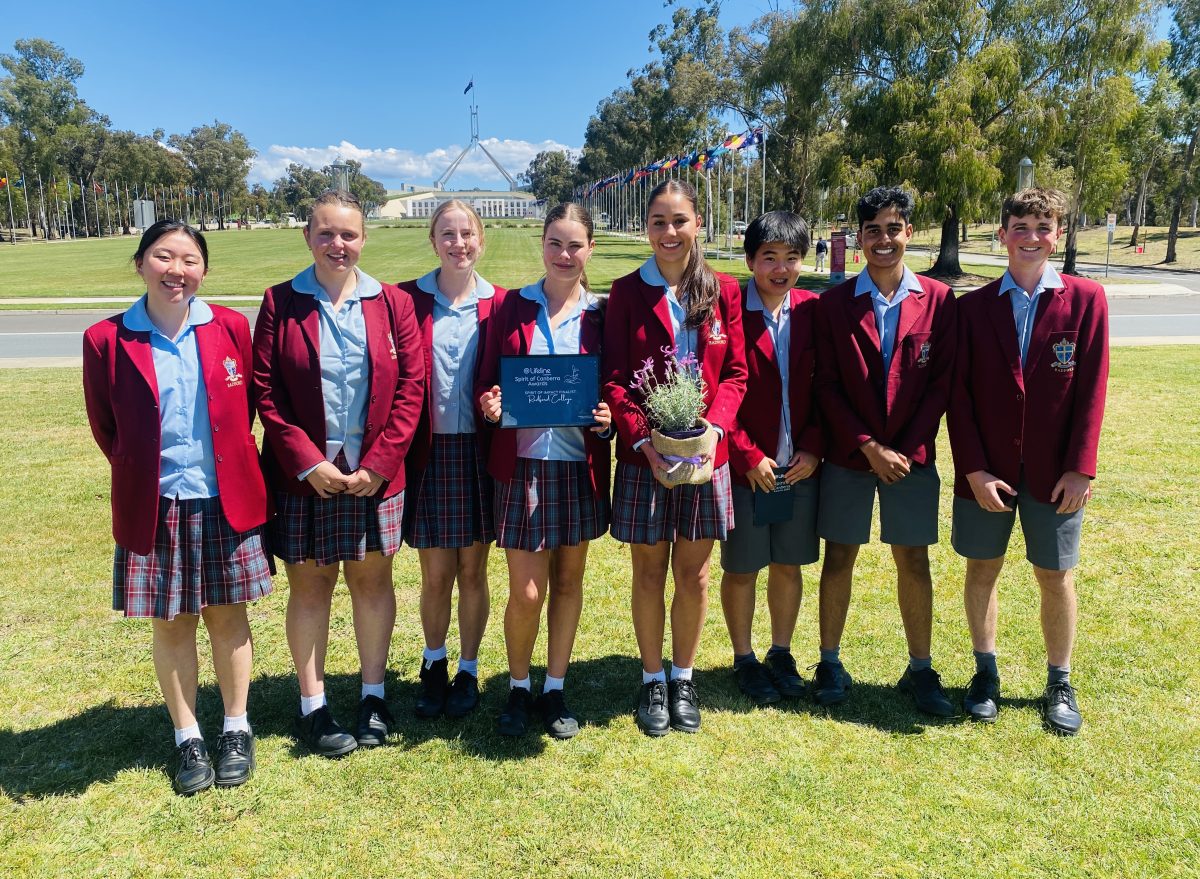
40	338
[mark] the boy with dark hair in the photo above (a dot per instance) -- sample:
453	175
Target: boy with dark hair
1024	425
774	450
885	357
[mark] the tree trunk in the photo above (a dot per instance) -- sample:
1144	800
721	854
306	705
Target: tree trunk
1180	192
1195	209
964	231
947	264
1140	210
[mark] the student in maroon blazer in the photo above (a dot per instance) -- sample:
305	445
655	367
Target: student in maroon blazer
339	379
675	301
774	438
448	518
1024	429
165	386
885	358
551	483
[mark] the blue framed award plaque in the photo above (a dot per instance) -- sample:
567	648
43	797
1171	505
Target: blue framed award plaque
549	390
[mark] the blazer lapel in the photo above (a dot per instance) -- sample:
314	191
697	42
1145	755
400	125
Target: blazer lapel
527	314
137	346
862	314
911	309
1006	332
754	325
656	299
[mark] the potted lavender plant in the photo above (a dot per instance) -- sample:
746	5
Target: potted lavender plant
674	406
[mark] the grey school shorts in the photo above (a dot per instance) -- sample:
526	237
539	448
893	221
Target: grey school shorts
908	509
750	547
1051	537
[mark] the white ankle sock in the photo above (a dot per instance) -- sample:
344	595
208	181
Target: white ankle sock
552	683
309	704
431	655
191	732
514	684
680	674
240	723
372	690
470	666
648	676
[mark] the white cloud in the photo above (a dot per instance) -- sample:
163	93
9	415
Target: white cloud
392	165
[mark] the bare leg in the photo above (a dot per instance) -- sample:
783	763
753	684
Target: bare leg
310	593
837	574
438	569
1059	613
566	606
373	599
649	604
232	652
177	667
785	589
689	567
737	603
474	598
980	598
528	573
914	590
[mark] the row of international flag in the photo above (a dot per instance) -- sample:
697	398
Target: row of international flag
102	188
697	160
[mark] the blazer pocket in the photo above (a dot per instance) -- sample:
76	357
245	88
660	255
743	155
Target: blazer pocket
1059	355
917	350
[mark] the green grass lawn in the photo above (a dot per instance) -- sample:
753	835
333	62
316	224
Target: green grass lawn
871	789
1093	246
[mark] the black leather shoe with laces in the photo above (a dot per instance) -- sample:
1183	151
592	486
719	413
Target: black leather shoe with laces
323	735
463	697
782	667
431	701
755	682
830	684
1060	710
374	722
194	772
684	706
235	758
514	720
558	720
925	688
652	716
982	699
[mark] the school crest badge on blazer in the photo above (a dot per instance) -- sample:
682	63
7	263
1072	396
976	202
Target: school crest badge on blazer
716	332
1064	355
233	378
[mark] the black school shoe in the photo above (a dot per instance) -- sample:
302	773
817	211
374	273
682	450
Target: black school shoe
514	719
1060	711
463	697
652	716
431	701
925	688
684	706
194	772
558	720
781	665
830	684
374	722
235	758
982	699
755	682
322	734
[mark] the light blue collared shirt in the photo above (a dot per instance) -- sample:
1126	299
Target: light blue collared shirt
685	338
553	443
187	468
1024	303
887	314
345	370
455	349
781	338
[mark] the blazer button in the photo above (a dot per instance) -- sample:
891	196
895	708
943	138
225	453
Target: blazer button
216	427
220	459
1016	441
372	398
370	425
1020	397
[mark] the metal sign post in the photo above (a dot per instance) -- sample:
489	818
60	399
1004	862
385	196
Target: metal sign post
1112	227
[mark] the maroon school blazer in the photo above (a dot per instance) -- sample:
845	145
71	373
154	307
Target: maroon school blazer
120	390
901	410
756	434
638	325
1046	414
287	386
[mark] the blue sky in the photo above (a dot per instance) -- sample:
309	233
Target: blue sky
383	84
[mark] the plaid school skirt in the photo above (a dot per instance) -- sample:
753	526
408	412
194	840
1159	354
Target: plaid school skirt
548	504
197	561
645	511
452	506
344	527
